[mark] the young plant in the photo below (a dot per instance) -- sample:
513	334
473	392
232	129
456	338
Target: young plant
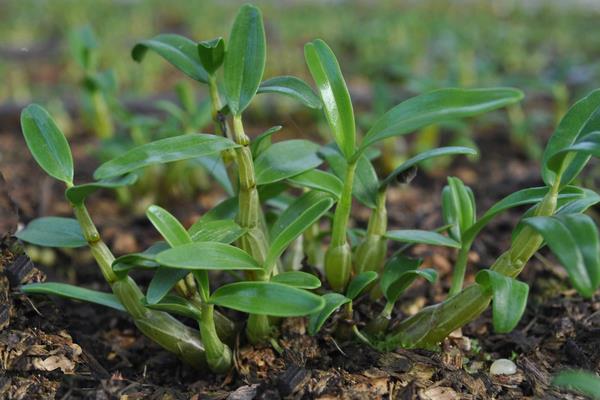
247	234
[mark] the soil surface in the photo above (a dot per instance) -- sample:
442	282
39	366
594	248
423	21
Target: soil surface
55	348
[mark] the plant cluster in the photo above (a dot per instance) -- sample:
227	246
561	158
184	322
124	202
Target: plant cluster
293	198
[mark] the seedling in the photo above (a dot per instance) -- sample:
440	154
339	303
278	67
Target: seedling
247	234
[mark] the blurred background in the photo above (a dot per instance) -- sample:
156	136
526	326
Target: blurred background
74	57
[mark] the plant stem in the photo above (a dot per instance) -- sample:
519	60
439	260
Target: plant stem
162	328
460	268
338	258
254	241
370	254
218	355
102	121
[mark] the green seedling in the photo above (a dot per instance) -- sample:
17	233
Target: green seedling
267	217
583	382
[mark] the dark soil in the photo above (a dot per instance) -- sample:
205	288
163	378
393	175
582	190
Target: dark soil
55	348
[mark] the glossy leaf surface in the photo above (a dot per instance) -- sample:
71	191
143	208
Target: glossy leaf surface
267	298
509	299
263	141
359	283
212	54
333	301
179	51
285	159
222	230
245	58
176	305
399	273
207	256
293	87
299	279
47	143
168	226
318	180
162	282
573	238
421	236
77	194
53	232
335	98
163	151
74	292
438	106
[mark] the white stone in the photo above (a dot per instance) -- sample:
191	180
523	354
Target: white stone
503	366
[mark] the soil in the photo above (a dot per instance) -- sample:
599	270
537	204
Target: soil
55	348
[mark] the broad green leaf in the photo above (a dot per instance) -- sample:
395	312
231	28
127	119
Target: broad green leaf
263	141
168	226
291	86
179	51
581	151
509	299
267	298
212	54
53	232
299	279
522	197
297	218
222	231
399	273
47	143
245	58
285	159
318	180
77	194
207	256
582	118
335	98
584	382
424	156
366	183
74	292
163	151
421	236
458	207
438	106
359	283
83	44
227	209
162	282
213	164
579	205
145	260
333	301
176	305
573	238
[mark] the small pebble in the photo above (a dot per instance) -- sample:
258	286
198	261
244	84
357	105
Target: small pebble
503	366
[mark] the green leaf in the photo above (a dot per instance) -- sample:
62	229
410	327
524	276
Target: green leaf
168	226
83	45
164	151
584	382
179	51
263	141
522	197
438	106
245	58
318	180
162	282
291	86
335	98
77	194
47	143
53	232
509	299
176	305
207	256
222	231
297	218
212	54
399	273
573	238
227	209
580	205
333	301
582	118
267	298
366	183
458	207
421	236
360	282
424	156
285	159
299	279
581	151
145	260
75	293
213	164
